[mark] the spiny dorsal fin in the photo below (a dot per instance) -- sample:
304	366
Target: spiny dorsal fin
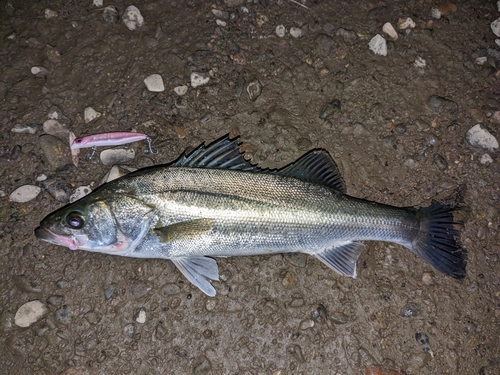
317	167
222	154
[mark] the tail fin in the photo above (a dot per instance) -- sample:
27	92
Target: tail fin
436	241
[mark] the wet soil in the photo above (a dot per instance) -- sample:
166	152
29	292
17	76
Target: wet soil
272	314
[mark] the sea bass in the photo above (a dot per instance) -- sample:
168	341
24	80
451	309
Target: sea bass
214	203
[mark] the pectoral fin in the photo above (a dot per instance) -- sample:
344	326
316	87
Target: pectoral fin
184	230
199	270
342	259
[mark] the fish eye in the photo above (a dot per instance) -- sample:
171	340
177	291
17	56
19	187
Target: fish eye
75	220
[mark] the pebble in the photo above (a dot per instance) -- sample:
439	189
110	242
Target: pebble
41	177
117	156
90	114
481	60
30	313
349	36
306	324
423	340
132	18
180	132
411	310
55	300
441	162
289	281
110	14
339	318
49	13
495	27
63	315
141	316
330	108
59	190
154	83
170	290
389	30
221	23
92	317
39	71
108	292
296	352
79	193
15	152
406	23
220	14
296	32
479	137
486	159
181	90
129	330
419	62
378	45
199	79
55	113
97	3
280	31
438	103
56	152
444	8
54	127
202	366
24	129
25	193
254	89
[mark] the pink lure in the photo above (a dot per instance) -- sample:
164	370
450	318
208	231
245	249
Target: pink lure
107	139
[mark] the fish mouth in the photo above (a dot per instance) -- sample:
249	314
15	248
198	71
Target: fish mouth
56	239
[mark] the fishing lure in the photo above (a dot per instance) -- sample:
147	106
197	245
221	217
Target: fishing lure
110	139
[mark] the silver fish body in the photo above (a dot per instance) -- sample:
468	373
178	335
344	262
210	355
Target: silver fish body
213	203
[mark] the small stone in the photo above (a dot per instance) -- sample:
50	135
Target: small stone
63	315
411	310
154	83
339	318
79	193
435	13
486	159
30	313
306	324
220	14
59	190
110	14
479	137
117	156
254	89
423	340
296	32
199	79
330	108
419	62
296	352
400	128
108	292
25	193
41	177
378	45
132	18
39	71
55	300
139	290
289	281
92	317
481	60
280	31
141	316
97	3
49	13
438	103
54	127
181	90
406	23
170	290
389	30
427	279
129	330
495	27
221	23
210	304
24	129
202	366
180	132
349	36
441	162
90	114
53	54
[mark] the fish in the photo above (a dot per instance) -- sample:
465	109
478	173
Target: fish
213	203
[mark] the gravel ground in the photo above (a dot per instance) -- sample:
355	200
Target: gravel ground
287	77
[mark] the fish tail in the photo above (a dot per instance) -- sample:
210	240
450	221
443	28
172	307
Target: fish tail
436	241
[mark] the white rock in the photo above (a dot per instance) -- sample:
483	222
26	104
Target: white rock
406	23
49	13
154	83
389	30
39	71
141	317
2	193
79	193
479	137
378	45
25	193
436	13
117	171
221	23
296	32
90	114
41	177
419	62
97	3
117	156
280	31
24	129
198	80
181	90
54	127
29	313
497	42
481	60
132	18
495	27
486	159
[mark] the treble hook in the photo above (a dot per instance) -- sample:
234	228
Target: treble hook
150	149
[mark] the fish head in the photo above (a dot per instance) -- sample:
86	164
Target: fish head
104	225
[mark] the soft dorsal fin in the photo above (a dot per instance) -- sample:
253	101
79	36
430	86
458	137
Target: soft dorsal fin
317	167
222	154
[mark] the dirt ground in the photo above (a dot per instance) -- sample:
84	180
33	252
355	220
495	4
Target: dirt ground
278	314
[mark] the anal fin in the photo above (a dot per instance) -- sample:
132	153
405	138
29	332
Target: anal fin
342	259
199	270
